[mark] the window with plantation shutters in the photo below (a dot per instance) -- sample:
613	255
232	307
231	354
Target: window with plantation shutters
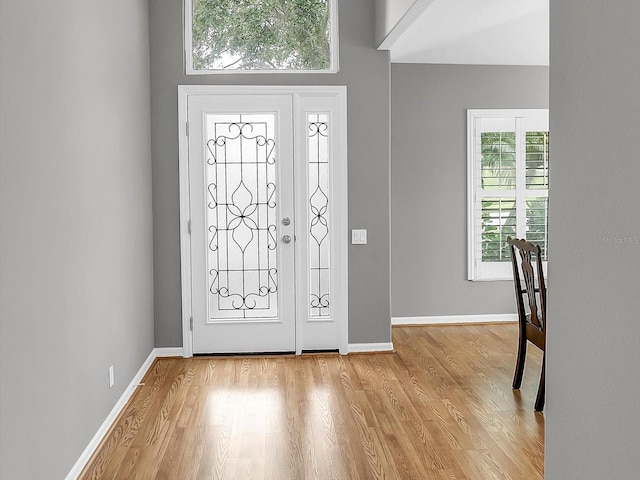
508	181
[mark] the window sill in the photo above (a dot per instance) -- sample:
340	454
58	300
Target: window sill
491	279
258	72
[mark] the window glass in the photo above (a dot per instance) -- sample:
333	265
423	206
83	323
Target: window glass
498	154
498	223
537	221
537	159
260	35
318	152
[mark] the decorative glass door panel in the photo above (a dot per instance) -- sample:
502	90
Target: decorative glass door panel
319	239
242	212
241	216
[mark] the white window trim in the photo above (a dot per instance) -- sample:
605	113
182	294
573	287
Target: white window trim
188	47
494	271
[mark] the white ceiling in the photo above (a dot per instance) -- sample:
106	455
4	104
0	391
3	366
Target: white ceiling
484	32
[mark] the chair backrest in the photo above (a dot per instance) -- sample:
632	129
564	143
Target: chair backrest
533	277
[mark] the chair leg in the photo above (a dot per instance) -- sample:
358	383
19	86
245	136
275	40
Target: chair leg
522	355
539	406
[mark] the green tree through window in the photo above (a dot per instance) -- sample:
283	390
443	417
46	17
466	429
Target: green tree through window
261	34
498	172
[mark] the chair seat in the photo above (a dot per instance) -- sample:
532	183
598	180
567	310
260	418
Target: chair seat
535	335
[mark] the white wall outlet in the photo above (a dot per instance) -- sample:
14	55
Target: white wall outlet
358	237
112	378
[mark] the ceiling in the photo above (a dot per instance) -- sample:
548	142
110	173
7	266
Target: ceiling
483	32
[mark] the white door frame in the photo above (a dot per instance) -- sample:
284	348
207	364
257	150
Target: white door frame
338	179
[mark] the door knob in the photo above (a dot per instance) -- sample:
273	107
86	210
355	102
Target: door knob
286	239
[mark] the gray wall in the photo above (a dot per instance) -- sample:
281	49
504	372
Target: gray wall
365	71
75	224
388	14
593	379
429	182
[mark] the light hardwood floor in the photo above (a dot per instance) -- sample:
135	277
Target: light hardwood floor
440	407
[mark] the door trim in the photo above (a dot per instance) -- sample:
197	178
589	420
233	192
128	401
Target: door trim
338	189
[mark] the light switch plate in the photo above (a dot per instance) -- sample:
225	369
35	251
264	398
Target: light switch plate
358	237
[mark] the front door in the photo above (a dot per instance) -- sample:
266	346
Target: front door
263	215
242	223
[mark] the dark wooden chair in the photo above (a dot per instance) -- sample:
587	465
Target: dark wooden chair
533	324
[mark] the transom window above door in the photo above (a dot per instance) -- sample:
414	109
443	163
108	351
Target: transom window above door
261	36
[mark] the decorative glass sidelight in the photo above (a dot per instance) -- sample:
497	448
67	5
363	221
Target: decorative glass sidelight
319	239
241	216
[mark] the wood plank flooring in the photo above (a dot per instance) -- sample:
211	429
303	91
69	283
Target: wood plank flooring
440	407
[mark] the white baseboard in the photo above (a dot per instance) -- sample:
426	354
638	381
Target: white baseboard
113	414
169	352
370	347
119	406
455	319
